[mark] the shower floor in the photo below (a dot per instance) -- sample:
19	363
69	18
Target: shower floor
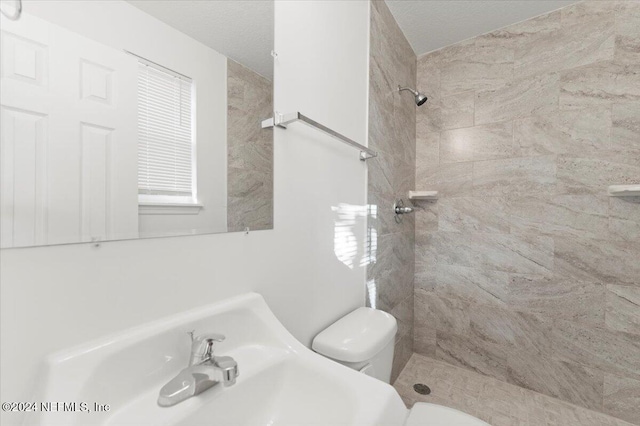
491	400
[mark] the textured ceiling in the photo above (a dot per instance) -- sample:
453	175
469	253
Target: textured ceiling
432	24
241	30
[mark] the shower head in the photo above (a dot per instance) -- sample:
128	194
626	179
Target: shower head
419	97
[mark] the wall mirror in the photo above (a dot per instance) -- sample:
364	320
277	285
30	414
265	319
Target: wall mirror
135	119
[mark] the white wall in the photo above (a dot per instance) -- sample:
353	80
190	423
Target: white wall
55	297
121	26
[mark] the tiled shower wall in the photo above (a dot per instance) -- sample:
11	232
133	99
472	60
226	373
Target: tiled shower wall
525	269
249	150
390	176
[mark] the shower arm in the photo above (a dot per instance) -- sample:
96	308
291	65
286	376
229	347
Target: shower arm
16	13
408	89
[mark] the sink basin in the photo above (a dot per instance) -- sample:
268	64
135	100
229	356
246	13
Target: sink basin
281	381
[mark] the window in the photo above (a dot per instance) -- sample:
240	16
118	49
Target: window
166	154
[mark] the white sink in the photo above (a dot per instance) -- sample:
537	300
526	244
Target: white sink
281	381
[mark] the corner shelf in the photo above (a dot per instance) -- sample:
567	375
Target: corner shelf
624	190
423	195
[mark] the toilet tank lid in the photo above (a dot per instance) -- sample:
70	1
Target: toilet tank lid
357	336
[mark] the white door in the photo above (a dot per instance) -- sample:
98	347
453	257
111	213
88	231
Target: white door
68	137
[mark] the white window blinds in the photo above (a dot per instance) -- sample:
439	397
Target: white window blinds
165	151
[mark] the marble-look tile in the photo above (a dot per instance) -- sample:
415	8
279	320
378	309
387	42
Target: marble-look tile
472	285
249	183
391	116
625	132
392	138
533	272
391	175
533	333
380	217
473	353
450	180
389	179
425	260
502	404
578	42
451	314
256	153
249	150
598	85
557	298
428	150
405	127
425	276
402	352
495	324
514	176
403	313
623	308
392	132
457	110
603	349
422	372
425	266
573	132
473	214
452	52
247	90
255	213
502	326
562	413
381	106
426	213
628	84
627	29
560	215
428	119
568	381
424	328
486	142
624	218
428	78
492	400
522	32
589	12
392	271
389	31
523	254
622	397
518	98
592	175
584	259
476	68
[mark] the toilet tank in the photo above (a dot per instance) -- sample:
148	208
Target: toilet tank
363	340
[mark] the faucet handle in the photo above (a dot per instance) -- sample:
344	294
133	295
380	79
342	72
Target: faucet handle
229	368
215	337
202	346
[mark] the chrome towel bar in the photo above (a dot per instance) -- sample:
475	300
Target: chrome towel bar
282	120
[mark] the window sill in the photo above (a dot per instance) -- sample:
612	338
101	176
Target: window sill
168	208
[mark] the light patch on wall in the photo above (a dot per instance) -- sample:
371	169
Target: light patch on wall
372	292
345	241
372	237
371	254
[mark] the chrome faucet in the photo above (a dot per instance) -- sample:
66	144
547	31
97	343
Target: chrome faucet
204	371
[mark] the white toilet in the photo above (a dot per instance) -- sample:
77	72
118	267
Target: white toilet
364	340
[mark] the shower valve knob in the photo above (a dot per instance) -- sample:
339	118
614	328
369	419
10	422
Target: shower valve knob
400	208
403	210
